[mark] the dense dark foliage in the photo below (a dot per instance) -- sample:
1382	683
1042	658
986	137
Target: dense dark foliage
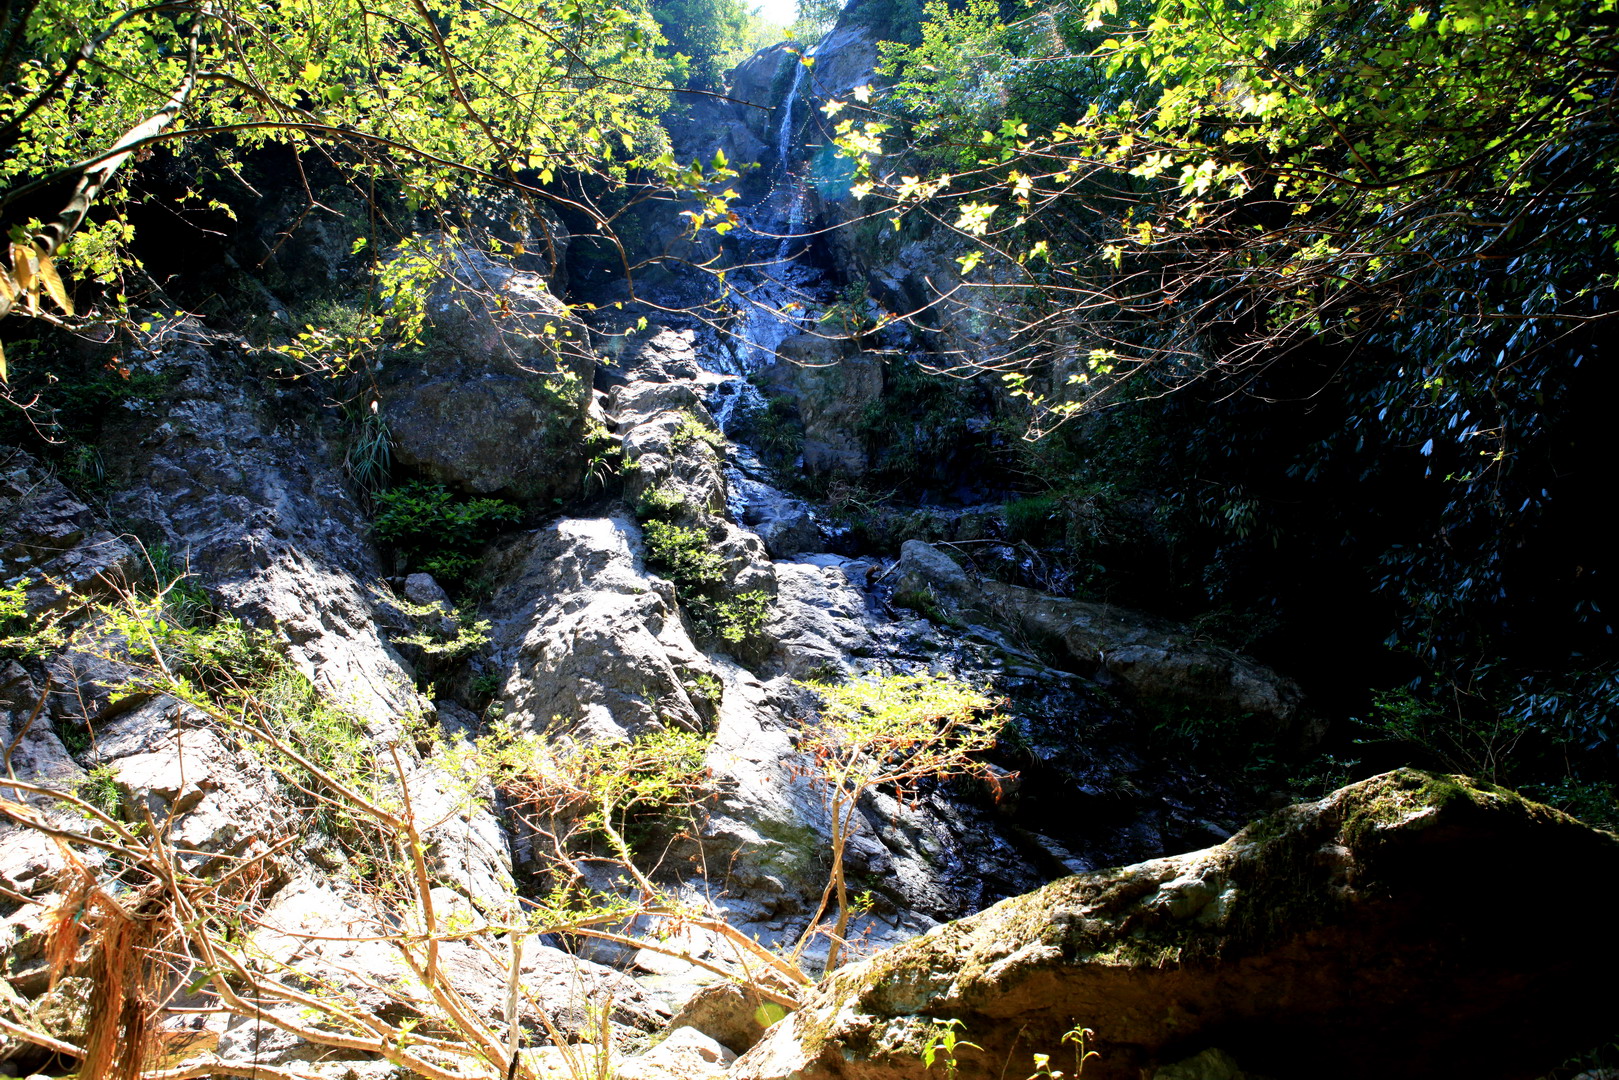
1312	313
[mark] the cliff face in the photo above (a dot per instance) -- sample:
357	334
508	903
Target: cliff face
654	578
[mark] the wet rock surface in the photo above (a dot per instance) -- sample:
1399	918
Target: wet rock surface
1153	659
55	540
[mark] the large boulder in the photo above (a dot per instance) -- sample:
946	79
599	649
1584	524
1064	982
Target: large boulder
1411	925
523	228
834	391
588	639
499	402
759	84
53	540
246	488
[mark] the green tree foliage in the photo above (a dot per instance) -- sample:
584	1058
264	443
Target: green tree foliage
706	36
1365	242
890	732
425	98
434	531
816	18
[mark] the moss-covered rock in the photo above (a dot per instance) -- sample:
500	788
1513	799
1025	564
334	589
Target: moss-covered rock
1409	925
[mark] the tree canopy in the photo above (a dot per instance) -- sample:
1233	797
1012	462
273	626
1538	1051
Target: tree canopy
1367	245
433	99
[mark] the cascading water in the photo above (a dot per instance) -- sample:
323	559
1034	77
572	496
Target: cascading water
771	292
770	296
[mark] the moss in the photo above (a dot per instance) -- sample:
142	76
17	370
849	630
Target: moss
1387	800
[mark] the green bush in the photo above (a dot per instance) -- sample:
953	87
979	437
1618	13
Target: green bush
433	531
698	573
1032	519
327	736
660	502
689	430
99	788
734	619
20	634
773	430
683	553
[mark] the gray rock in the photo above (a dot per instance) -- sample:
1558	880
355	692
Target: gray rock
422	589
844	59
685	1054
499	405
54	540
588	638
820	622
249	493
216	799
729	1014
833	391
1154	659
786	525
760	83
507	219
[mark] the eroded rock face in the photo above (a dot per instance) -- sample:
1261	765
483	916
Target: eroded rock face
246	488
759	83
1350	937
1156	660
243	483
833	389
591	642
53	540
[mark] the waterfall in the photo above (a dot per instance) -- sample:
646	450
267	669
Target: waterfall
784	148
775	282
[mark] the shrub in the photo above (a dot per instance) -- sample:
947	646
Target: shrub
773	430
100	789
689	429
683	552
21	635
888	731
434	531
1033	518
698	574
660	502
733	619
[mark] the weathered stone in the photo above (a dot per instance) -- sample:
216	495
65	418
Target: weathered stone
758	85
820	619
685	1054
314	930
1154	659
833	391
1341	938
217	800
499	404
588	638
54	540
248	491
731	1015
786	525
524	229
845	59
